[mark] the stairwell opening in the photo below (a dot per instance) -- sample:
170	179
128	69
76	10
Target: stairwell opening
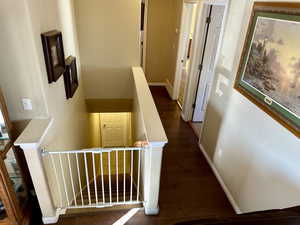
106	174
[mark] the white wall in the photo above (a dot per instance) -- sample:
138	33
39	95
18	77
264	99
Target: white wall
23	71
109	46
18	67
257	158
70	117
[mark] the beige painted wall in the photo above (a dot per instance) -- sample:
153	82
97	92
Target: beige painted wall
162	39
69	115
109	46
257	158
95	131
19	76
23	72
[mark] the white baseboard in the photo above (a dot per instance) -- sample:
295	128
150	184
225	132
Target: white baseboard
169	87
184	117
151	212
50	220
219	178
156	84
53	219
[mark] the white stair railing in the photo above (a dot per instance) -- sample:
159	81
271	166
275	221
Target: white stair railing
96	178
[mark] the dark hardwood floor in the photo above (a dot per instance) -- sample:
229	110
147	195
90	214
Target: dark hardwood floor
189	189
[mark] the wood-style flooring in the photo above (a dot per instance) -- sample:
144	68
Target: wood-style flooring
189	190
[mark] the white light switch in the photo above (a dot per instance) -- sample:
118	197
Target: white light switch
27	105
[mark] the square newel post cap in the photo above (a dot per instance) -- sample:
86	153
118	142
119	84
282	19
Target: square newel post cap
158	144
33	135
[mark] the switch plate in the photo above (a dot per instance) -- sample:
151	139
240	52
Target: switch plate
27	105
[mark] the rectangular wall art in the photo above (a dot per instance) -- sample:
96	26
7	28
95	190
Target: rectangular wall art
70	77
54	54
269	72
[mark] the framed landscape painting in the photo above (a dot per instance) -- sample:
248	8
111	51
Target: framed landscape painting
269	71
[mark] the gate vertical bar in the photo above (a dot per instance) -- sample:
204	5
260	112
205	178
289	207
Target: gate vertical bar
109	177
131	175
95	178
71	177
79	178
102	177
124	177
139	173
57	180
117	175
87	178
64	180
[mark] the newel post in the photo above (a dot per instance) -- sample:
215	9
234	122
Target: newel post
30	141
152	171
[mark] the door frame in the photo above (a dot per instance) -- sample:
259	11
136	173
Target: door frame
144	50
181	46
197	49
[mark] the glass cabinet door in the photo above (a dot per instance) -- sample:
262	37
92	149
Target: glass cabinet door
16	177
3	215
4	136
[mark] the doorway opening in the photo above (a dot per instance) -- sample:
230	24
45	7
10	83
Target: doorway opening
204	54
189	15
111	130
143	33
214	15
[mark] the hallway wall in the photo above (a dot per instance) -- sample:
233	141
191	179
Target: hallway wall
108	33
162	39
257	158
23	72
19	72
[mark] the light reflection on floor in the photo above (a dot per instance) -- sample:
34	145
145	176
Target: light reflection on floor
126	217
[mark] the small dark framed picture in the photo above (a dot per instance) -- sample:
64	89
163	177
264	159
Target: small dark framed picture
70	77
54	54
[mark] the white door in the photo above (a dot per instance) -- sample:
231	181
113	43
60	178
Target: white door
209	61
188	13
114	129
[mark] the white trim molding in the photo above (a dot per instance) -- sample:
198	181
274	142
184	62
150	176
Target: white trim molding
145	34
54	219
31	141
216	2
151	212
34	134
185	17
170	89
197	49
158	144
50	220
222	183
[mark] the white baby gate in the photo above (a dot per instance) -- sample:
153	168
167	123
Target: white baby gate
95	178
